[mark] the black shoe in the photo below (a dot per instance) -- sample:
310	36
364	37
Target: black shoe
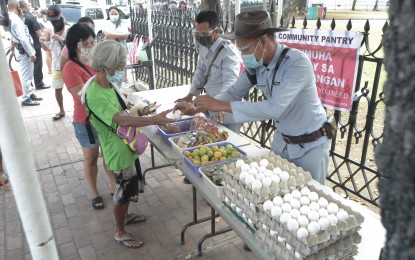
35	98
29	102
186	181
42	87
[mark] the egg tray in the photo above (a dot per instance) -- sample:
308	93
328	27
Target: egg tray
342	249
250	210
251	227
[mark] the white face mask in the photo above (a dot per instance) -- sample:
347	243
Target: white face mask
85	54
114	18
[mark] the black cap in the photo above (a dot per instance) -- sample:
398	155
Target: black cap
54	13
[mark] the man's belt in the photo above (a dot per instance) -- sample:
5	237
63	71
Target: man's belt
307	138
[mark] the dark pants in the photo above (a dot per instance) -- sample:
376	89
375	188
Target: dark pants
37	71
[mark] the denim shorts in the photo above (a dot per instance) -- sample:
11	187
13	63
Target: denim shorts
82	135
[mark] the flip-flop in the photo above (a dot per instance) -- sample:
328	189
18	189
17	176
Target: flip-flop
134	219
57	116
124	241
97	200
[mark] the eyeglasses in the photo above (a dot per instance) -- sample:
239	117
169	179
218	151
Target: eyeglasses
87	44
202	34
247	46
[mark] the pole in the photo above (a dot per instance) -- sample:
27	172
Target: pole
237	7
279	14
21	168
150	35
264	5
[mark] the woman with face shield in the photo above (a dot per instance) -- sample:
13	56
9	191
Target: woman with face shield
76	72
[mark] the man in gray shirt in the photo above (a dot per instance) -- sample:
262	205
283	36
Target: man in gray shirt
290	91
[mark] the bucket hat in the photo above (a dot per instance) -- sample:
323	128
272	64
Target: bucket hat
53	13
252	24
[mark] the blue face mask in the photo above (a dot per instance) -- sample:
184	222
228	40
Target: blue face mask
117	77
250	61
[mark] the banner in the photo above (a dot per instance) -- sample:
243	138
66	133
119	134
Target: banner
334	55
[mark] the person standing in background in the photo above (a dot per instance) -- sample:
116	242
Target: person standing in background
35	31
45	24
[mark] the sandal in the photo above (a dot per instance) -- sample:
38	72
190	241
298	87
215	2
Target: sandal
98	203
126	241
58	116
134	219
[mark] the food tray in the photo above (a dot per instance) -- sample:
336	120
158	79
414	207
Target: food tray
183	124
217	189
195	168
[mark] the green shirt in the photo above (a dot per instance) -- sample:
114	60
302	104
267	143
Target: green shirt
104	103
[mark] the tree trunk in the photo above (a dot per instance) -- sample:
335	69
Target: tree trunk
375	8
288	11
354	5
396	156
213	5
226	15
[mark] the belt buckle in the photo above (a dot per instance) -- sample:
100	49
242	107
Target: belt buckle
286	139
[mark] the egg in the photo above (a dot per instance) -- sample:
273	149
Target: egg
285	217
266	182
268	173
295	213
264	162
342	215
253	171
313	196
254	165
267	205
259	176
262	169
278	201
323	202
296	194
288	246
304	210
305	191
288	197
313	215
298	255
314	206
333	219
313	227
243	175
324	223
284	176
264	226
226	199
276	211
250	221
273	233
245	167
302	233
275	179
277	171
286	207
303	221
295	204
249	179
239	163
177	114
256	185
281	239
323	213
304	200
332	208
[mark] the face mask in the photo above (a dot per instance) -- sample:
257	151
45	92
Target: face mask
114	18
117	77
205	41
85	54
250	61
58	25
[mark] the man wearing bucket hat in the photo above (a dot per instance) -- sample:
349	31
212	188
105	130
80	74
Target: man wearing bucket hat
286	78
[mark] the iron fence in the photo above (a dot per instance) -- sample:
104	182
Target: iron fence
352	169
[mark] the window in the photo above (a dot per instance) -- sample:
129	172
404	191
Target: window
94	13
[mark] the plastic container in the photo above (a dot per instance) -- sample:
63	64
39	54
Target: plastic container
195	168
183	124
215	188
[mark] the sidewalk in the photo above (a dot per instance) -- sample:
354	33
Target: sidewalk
80	232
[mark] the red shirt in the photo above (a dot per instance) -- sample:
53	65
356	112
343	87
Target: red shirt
74	75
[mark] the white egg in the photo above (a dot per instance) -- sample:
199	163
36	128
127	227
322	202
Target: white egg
267	205
305	191
333	219
288	197
276	211
342	215
266	182
298	255
324	223
296	194
253	171
239	163
243	175
304	210
268	173
323	202
286	207
314	206
304	200
332	208
249	179
313	215
256	185
285	217
264	162
245	167
303	221
278	201
273	233
284	176
250	221
281	239
254	165
259	176
302	233
295	203
295	213
288	246
277	171
313	196
323	213
262	169
177	114
275	178
313	227
226	199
